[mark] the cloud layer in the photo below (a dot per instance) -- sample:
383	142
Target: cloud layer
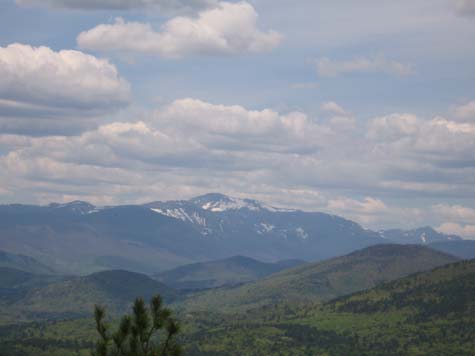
228	29
166	5
62	88
190	146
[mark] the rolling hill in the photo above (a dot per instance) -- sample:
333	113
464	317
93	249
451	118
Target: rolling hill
76	296
23	263
226	272
324	280
16	284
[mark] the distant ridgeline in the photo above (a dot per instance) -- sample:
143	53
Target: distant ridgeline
79	238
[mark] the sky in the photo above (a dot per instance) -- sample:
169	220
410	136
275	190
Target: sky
364	109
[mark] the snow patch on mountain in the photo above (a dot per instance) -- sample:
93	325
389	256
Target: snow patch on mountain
424	237
264	228
77	207
230	204
181	214
301	233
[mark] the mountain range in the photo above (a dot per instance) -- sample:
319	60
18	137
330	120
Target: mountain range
79	238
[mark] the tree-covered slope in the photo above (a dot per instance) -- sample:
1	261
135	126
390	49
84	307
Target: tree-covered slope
429	313
76	296
325	280
16	284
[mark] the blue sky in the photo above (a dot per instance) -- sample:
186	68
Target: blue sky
363	109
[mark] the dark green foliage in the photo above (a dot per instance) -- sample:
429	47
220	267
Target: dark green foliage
137	334
430	313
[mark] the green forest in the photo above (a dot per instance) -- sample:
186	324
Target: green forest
426	313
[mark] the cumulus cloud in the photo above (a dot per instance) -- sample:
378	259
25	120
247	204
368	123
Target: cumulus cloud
441	141
466	111
233	127
368	205
342	119
162	5
191	146
466	231
185	134
228	29
333	107
393	127
331	68
375	213
59	90
455	213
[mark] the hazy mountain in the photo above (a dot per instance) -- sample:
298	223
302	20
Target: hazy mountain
226	272
80	238
23	263
464	249
424	235
325	280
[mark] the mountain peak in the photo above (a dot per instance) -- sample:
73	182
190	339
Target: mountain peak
217	202
77	206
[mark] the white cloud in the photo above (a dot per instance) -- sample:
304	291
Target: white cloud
161	5
229	29
42	87
379	64
466	111
186	134
466	231
342	119
190	146
342	122
236	126
455	213
393	127
438	140
367	206
333	107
